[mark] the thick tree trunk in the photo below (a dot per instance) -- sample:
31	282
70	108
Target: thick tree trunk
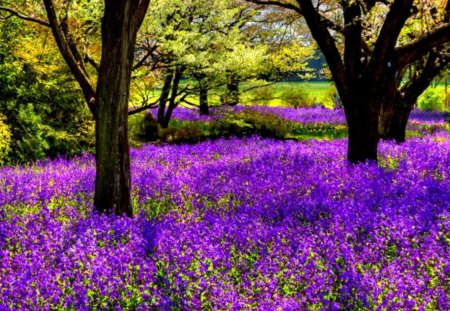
203	97
394	119
362	120
113	180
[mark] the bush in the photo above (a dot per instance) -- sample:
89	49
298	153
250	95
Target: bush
250	122
143	127
42	103
320	130
5	140
432	99
263	94
297	97
185	132
332	99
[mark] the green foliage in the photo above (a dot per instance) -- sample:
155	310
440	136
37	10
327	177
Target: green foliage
245	123
5	140
432	99
331	99
143	127
251	122
44	109
186	132
263	95
156	208
31	144
319	131
297	97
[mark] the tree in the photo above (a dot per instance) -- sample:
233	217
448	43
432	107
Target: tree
108	101
394	113
415	72
364	44
285	50
43	106
197	40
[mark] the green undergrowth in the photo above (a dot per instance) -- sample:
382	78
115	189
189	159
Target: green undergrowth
247	123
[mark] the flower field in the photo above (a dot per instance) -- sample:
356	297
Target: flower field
306	115
238	224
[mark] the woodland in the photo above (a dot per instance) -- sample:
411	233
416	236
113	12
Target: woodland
224	155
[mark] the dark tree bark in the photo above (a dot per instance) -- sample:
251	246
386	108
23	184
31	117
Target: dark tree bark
362	122
165	93
173	97
393	120
367	77
113	179
398	105
203	98
169	95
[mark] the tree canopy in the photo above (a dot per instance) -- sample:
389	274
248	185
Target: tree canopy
368	44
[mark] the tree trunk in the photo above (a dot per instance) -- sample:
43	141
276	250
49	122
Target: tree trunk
165	92
394	119
113	179
173	98
362	119
446	86
203	97
231	97
398	100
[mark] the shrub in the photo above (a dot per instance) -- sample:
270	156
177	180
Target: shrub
251	122
185	132
43	106
297	97
432	99
29	141
320	130
230	98
5	140
332	99
143	127
263	94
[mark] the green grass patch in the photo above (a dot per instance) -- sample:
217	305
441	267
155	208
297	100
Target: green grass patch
265	94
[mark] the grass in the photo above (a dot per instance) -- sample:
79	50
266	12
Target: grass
318	90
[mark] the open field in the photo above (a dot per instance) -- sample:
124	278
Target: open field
274	92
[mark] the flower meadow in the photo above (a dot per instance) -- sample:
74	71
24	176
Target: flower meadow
236	224
307	115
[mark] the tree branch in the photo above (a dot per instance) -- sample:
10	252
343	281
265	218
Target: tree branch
398	13
433	66
90	60
281	4
135	110
141	11
142	61
24	17
416	49
65	49
353	40
327	45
